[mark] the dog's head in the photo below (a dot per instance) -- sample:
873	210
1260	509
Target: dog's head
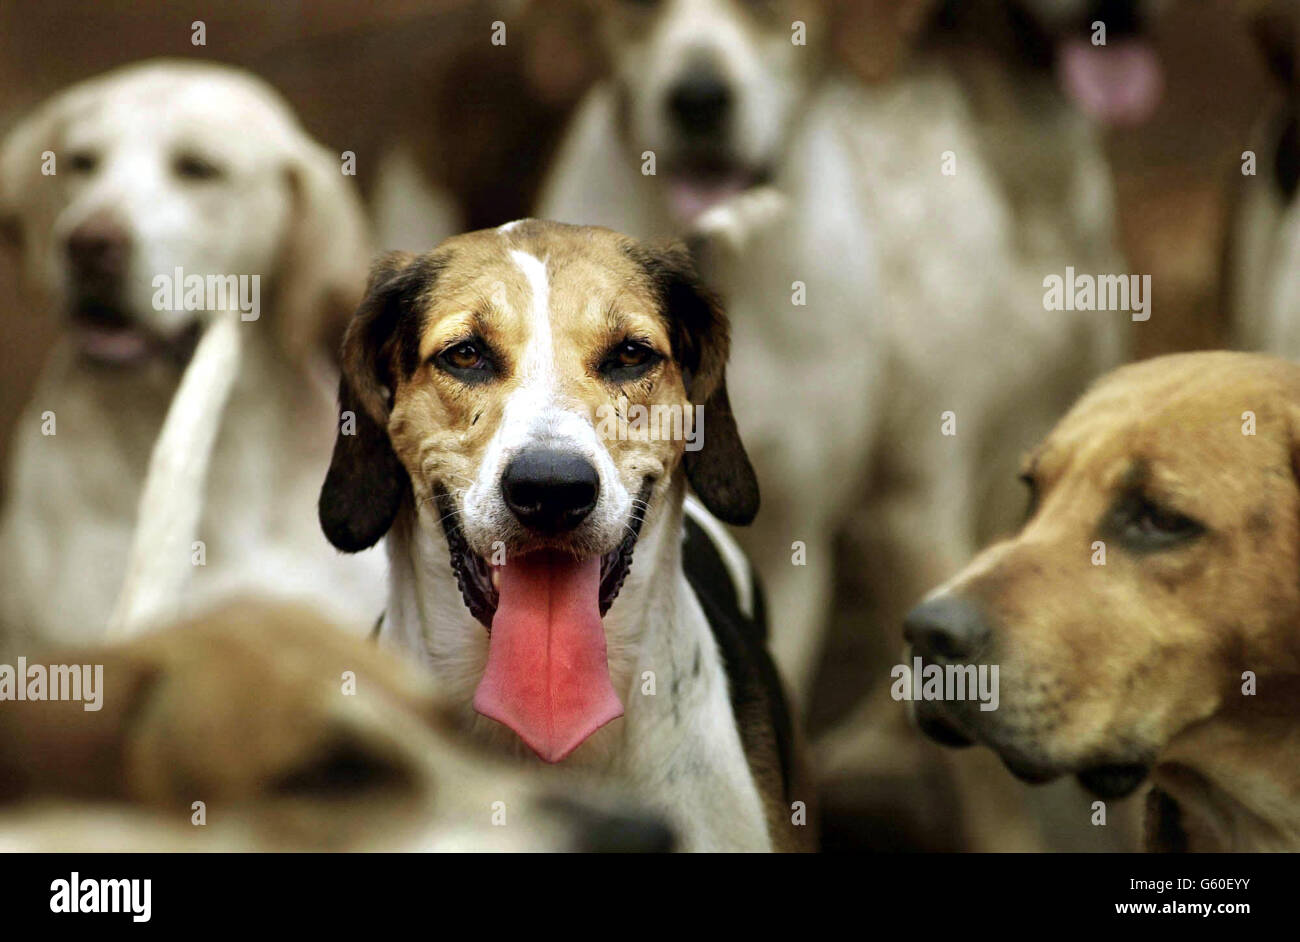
1159	562
711	87
128	194
535	388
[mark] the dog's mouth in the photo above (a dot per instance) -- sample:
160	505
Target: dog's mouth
480	580
547	673
1108	780
104	333
697	184
1120	83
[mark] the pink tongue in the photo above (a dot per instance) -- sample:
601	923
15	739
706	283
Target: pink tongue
687	198
547	676
1120	83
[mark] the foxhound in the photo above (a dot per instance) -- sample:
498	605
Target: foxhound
130	197
1143	619
495	385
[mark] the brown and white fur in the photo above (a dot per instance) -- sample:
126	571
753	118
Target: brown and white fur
159	166
924	291
543	307
1174	655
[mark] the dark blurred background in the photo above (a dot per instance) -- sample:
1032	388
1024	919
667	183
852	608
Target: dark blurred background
482	119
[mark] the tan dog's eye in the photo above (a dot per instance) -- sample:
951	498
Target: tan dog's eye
1142	525
629	360
468	361
190	166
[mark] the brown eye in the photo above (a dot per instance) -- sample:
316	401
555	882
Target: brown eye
468	361
628	360
464	356
633	354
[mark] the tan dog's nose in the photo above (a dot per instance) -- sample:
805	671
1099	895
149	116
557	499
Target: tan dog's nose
947	628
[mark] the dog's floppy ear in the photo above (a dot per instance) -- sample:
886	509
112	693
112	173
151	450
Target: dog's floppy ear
366	483
324	255
719	472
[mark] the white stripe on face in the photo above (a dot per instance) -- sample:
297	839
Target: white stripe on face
538	361
534	416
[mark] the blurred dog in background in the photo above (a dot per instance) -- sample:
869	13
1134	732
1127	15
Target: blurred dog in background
260	726
730	103
176	170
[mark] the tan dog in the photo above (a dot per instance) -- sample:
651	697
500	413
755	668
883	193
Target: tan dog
1144	619
293	735
490	380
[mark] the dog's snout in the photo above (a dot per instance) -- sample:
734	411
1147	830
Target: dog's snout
700	101
946	628
98	247
550	491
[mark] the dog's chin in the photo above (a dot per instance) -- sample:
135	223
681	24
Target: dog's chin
479	579
105	334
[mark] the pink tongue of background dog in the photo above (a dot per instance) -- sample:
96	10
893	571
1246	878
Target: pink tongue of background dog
688	198
1120	83
547	675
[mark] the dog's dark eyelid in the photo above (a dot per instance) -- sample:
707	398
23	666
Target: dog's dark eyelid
1145	525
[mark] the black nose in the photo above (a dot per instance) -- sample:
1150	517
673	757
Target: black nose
699	102
946	628
550	491
97	248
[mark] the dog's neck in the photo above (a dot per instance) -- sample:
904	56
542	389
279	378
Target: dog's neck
1233	781
653	619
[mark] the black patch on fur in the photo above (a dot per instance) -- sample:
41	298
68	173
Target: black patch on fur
757	699
1286	159
719	472
366	483
1163	825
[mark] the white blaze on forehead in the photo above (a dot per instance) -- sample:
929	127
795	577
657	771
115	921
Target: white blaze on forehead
538	359
509	226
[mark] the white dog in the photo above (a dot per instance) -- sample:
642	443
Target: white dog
147	205
923	290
